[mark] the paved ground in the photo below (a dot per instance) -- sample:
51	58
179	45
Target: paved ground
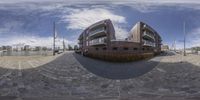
113	70
68	77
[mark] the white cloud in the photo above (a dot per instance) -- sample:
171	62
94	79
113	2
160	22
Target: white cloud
193	37
10	26
141	5
33	41
103	1
83	18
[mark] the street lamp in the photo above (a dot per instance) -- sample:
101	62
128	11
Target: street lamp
184	38
54	37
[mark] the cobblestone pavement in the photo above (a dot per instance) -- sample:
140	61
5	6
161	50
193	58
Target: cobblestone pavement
174	77
114	70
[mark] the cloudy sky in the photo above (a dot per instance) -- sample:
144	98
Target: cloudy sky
31	21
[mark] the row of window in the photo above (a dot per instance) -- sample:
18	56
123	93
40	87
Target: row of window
94	31
125	48
101	40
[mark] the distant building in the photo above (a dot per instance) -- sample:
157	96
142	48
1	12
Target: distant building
98	40
38	48
44	48
196	49
189	51
6	48
164	47
17	48
26	47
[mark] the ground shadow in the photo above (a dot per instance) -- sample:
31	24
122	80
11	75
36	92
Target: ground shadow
114	70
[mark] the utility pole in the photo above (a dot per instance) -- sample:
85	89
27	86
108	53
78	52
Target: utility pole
184	38
63	44
54	37
175	45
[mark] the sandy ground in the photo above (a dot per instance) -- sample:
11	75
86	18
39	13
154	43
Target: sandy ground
13	61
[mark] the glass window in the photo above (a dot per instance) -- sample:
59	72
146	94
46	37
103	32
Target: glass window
125	48
115	48
135	48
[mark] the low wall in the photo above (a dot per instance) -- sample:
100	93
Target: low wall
120	57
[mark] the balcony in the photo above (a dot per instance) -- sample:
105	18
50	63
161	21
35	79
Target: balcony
80	45
97	33
80	37
148	43
148	27
99	24
99	41
80	42
148	35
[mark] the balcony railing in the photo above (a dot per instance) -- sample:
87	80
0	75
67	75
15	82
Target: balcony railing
102	23
99	41
148	43
149	35
80	42
97	32
148	27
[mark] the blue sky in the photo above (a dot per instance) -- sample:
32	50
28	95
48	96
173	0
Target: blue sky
31	21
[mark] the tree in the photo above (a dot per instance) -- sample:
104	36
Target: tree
70	47
75	47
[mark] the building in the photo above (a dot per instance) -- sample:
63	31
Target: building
99	41
6	48
164	47
38	48
27	48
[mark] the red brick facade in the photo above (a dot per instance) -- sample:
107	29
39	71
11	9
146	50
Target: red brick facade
99	41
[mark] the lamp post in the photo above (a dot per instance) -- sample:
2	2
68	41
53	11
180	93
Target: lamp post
184	38
54	37
63	44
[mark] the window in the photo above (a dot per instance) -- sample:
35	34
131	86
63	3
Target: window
135	48
104	48
87	43
125	48
143	49
114	48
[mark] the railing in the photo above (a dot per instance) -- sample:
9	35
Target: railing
99	30
80	42
97	24
148	43
98	41
149	35
148	27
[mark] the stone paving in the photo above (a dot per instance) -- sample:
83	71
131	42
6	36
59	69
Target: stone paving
57	78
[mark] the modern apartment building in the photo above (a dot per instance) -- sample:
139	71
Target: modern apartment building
99	41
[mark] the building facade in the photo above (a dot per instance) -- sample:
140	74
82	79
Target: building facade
27	48
165	47
99	41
